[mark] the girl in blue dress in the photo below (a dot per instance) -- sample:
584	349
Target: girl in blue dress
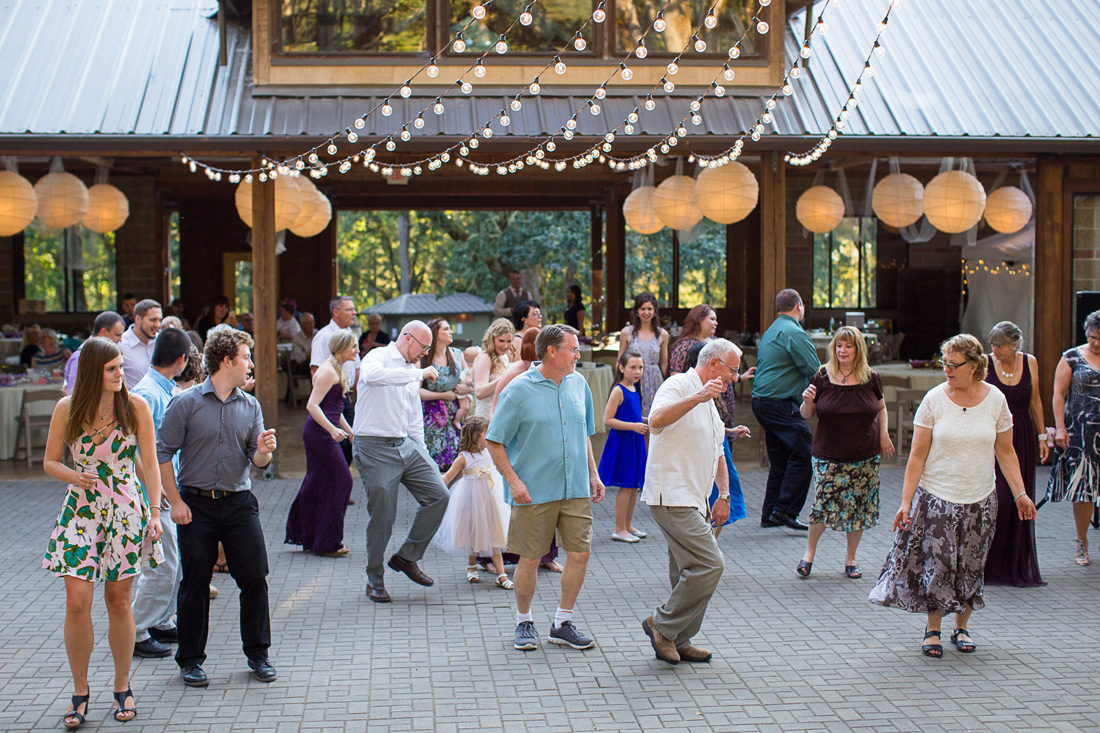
623	461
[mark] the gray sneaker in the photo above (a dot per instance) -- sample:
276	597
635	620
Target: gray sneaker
526	636
570	635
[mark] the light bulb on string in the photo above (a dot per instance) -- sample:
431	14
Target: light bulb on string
664	147
463	150
571	123
695	105
762	27
479	69
418	123
640	50
668	85
535	87
766	117
672	67
659	24
405	91
765	3
649	103
568	134
438	108
625	72
699	44
487	132
352	137
734	52
632	117
755	135
551	145
248	178
432	70
578	42
681	131
525	18
262	176
770	104
559	65
313	158
719	90
466	87
478	11
360	123
727	73
501	45
696	120
858	88
879	50
601	92
821	27
593	108
390	145
711	20
516	105
459	45
444	156
804	52
796	72
505	120
331	148
387	110
868	71
788	90
628	129
882	26
599	14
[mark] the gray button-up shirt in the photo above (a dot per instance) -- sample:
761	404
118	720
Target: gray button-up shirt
215	440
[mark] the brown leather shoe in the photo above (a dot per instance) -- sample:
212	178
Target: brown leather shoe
664	648
691	653
410	569
378	595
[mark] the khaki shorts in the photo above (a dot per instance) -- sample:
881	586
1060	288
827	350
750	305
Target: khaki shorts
532	527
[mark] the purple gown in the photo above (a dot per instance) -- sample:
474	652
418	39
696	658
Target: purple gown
1012	559
316	520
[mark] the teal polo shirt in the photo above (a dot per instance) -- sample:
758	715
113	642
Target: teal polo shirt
785	361
544	428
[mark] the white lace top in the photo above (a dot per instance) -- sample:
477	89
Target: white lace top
960	460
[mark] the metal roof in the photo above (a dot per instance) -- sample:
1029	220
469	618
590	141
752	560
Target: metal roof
429	304
994	69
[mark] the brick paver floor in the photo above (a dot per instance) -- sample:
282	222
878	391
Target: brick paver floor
791	654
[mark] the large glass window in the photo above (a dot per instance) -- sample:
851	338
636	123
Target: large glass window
72	270
373	26
552	27
702	266
681	18
845	262
649	267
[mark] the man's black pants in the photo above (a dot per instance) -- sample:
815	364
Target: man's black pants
233	520
788	439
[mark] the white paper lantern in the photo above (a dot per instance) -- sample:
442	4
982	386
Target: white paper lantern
310	200
1008	210
639	212
726	194
18	203
319	222
288	202
820	209
62	199
108	208
674	202
954	201
898	200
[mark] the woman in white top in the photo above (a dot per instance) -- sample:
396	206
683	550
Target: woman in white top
496	352
948	504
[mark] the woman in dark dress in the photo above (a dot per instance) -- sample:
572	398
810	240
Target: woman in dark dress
316	520
215	314
1012	559
574	308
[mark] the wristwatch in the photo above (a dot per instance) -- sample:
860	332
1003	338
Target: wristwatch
725	498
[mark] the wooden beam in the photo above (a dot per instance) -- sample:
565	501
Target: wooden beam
1053	281
595	296
773	236
264	304
614	263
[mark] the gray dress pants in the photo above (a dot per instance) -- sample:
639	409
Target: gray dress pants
695	566
384	464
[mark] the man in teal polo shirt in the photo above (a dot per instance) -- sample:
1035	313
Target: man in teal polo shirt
785	361
539	440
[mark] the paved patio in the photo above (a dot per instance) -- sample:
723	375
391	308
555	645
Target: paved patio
791	654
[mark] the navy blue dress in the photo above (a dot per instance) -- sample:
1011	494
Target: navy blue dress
623	461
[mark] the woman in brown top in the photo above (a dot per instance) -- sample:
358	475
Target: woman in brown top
852	431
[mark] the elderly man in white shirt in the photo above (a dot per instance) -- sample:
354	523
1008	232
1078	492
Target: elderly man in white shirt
685	460
390	452
138	341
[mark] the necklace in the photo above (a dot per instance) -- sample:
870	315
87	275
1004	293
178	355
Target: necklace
844	376
1007	375
966	406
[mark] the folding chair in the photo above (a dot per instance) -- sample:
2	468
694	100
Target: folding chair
36	421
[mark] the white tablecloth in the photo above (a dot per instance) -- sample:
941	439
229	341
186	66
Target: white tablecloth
11	400
10	347
600	377
922	379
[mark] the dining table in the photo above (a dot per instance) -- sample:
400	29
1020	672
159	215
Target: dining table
922	379
10	347
11	402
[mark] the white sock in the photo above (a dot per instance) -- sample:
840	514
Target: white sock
521	617
562	616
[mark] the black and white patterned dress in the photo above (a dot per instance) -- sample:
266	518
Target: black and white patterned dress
1075	474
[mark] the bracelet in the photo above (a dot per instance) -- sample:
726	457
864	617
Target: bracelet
1017	497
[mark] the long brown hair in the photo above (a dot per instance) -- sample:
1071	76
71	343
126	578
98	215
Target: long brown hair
426	361
694	321
640	300
471	431
88	388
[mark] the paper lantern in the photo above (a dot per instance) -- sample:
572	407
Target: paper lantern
639	212
18	203
954	201
62	199
726	194
108	208
319	222
310	200
288	202
820	209
898	199
1008	210
674	202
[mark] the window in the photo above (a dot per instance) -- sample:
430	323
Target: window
73	269
702	267
662	264
173	256
649	266
552	27
682	17
845	262
333	26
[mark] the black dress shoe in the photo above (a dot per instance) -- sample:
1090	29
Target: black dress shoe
409	568
164	636
262	670
151	648
788	521
193	676
378	595
769	523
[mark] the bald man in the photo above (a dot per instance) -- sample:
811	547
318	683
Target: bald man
389	452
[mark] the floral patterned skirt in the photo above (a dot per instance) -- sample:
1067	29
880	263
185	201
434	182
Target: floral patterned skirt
846	494
938	562
100	534
440	434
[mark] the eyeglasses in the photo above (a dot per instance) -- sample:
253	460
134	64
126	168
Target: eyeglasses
733	369
424	348
949	366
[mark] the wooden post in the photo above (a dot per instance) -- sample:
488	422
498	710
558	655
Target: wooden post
773	236
595	296
1053	279
264	304
614	262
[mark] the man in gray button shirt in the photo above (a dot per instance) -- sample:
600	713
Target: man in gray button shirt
219	433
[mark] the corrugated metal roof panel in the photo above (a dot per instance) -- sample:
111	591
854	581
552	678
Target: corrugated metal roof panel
427	304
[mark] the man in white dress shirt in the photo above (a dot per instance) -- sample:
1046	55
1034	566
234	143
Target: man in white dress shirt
685	459
344	314
390	452
138	341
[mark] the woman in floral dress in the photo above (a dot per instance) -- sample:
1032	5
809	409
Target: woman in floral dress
108	527
445	400
647	339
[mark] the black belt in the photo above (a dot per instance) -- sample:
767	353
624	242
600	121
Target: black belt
208	493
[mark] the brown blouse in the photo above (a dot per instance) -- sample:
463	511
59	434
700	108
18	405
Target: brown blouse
847	414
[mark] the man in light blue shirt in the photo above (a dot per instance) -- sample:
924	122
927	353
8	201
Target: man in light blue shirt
155	589
539	440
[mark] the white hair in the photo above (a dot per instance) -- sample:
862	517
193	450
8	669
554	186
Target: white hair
717	349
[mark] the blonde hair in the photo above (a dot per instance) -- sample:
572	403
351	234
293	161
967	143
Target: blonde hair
970	349
342	340
860	368
496	329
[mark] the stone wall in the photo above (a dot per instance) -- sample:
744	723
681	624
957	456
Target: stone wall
140	243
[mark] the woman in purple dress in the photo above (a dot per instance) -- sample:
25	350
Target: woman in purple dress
316	520
1012	559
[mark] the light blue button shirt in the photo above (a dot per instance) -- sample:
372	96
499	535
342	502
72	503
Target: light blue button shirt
157	390
544	428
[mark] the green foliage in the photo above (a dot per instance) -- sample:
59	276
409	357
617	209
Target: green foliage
650	266
845	261
379	26
89	259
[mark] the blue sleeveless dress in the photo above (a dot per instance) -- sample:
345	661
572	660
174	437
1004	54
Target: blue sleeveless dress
623	461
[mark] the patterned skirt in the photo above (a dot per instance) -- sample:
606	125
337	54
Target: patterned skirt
846	497
938	562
